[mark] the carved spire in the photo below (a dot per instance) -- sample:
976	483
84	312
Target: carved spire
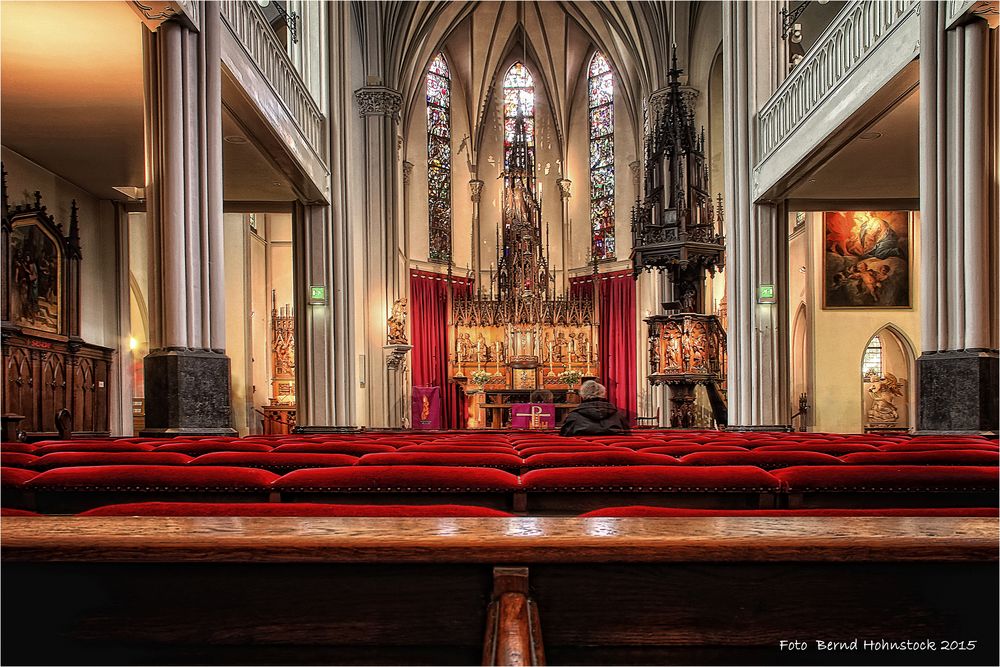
73	240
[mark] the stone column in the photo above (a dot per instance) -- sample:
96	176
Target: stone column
756	250
187	371
958	368
476	260
384	270
565	192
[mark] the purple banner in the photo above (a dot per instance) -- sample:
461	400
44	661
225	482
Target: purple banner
426	408
532	415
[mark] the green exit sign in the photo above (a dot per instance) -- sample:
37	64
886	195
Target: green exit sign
317	295
765	294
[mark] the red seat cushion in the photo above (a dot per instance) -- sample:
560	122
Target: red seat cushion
683	450
152	478
274	461
10	511
647	511
207	447
484	460
107	446
68	459
374	479
17	460
291	509
14	478
939	446
762	459
17	447
353	449
525	452
610	457
961	457
832	448
459	449
889	479
651	478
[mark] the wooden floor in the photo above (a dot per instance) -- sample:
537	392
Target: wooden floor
416	591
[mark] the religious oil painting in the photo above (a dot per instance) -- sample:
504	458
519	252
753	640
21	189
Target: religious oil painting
35	267
866	259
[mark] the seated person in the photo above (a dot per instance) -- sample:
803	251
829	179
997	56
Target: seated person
540	396
539	413
595	416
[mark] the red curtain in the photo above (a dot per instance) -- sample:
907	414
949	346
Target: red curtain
616	339
429	324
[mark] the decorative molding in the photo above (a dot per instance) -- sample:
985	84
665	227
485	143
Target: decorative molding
252	32
476	190
856	32
379	101
565	188
155	13
396	359
407	172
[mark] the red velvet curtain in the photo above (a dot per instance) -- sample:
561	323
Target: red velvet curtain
616	339
429	325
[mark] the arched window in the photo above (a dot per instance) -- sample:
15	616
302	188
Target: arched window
518	96
600	96
439	160
871	363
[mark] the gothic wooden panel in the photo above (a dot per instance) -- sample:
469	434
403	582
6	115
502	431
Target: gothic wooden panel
53	391
19	384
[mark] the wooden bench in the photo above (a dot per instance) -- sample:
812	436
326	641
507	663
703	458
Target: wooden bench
156	590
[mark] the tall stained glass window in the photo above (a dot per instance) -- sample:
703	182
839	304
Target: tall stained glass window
600	95
439	159
518	95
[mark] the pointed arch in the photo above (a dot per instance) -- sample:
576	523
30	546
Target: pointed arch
897	360
439	160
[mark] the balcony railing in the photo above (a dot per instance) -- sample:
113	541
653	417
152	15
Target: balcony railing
262	46
854	33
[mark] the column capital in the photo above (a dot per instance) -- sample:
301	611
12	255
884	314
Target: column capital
154	13
476	190
378	101
565	188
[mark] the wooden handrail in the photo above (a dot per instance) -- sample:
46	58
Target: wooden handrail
497	540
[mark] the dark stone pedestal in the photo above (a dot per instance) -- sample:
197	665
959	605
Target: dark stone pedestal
187	393
958	392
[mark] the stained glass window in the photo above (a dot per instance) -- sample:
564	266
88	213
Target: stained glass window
871	364
600	94
518	95
439	160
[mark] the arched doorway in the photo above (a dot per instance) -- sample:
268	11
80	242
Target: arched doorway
887	382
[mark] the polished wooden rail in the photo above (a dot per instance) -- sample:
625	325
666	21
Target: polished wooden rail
497	540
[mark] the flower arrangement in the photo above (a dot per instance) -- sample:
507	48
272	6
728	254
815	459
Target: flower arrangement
570	378
481	377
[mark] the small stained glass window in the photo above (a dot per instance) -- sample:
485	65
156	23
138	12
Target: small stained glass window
871	364
439	160
600	91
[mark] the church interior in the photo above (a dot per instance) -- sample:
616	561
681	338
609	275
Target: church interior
507	332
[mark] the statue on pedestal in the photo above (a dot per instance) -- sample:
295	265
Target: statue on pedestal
396	324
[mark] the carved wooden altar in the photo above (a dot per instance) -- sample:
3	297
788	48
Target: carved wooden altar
279	413
518	334
46	365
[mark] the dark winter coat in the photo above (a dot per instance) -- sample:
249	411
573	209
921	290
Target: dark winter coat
595	416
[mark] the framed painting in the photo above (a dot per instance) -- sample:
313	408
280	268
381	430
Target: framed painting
36	277
867	259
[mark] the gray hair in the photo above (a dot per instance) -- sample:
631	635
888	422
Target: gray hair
592	389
